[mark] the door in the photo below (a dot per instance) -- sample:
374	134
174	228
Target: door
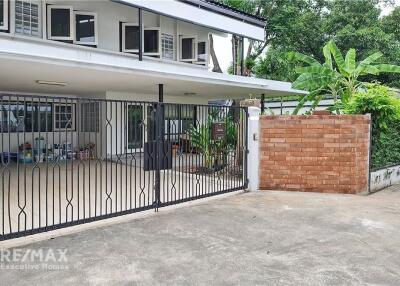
136	128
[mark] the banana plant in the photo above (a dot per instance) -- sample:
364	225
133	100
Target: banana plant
338	76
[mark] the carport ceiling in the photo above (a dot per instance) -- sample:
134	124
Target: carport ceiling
22	76
17	75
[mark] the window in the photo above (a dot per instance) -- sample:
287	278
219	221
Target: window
167	44
130	38
27	18
201	53
135	127
60	23
90	117
188	51
64	116
3	14
28	117
178	119
86	28
151	42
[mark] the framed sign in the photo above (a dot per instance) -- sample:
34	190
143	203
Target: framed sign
218	131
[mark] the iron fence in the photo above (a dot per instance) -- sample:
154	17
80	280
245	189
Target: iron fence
67	160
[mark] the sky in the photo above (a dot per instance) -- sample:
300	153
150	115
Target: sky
223	45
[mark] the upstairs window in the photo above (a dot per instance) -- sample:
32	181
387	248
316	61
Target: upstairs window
167	44
201	53
86	28
4	15
60	23
188	49
151	41
130	37
27	18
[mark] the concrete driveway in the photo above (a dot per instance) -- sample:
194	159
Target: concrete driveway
266	238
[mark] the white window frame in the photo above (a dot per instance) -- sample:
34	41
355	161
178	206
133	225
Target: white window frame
124	25
194	59
71	23
37	2
55	113
205	63
159	41
6	10
96	31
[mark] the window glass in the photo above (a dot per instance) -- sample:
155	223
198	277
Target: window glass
171	111
151	41
201	50
178	119
132	37
12	117
64	116
90	117
167	43
85	28
135	126
60	22
187	48
27	18
28	117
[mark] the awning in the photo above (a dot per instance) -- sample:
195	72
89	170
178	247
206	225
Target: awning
196	15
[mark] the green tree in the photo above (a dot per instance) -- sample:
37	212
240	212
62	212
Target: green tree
305	26
338	76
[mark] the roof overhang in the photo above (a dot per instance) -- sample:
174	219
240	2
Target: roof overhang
199	15
90	71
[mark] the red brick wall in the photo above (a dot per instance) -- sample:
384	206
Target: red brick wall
318	153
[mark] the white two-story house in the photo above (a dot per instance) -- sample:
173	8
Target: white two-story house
80	89
122	50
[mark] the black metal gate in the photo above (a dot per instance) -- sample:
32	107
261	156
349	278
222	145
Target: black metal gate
68	161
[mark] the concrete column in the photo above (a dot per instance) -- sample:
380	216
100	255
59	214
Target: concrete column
253	158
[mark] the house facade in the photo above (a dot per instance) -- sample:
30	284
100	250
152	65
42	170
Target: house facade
81	87
121	50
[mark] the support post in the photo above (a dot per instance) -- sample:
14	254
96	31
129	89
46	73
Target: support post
242	56
161	93
140	11
253	156
159	145
262	103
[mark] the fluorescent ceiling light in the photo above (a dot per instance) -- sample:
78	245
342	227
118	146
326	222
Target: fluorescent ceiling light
45	82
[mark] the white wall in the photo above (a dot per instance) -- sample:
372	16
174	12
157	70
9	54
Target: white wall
385	178
109	16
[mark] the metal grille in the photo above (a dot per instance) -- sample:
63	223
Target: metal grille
167	44
60	173
27	18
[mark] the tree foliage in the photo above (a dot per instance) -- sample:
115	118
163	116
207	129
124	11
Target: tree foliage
305	26
384	107
338	76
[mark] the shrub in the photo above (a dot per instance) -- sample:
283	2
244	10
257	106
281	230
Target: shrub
384	107
378	101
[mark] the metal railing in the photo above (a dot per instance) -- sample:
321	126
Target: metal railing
67	161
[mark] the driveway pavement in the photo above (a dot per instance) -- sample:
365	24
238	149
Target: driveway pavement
265	238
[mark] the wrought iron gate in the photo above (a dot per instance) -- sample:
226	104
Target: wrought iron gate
67	161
